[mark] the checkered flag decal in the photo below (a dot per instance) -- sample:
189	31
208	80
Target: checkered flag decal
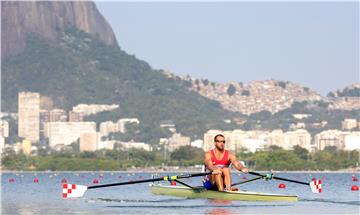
73	190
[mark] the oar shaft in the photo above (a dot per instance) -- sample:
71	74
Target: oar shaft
279	178
243	182
126	183
165	178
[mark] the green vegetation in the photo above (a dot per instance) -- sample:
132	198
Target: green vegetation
282	84
301	159
80	69
231	90
349	92
274	159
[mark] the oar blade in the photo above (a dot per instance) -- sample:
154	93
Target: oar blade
73	190
316	186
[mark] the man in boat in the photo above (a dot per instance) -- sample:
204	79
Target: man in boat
218	160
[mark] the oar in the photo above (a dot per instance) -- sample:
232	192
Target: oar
315	185
74	190
243	182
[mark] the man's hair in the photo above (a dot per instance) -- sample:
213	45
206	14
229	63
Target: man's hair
218	135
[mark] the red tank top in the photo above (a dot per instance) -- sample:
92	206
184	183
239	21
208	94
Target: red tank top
224	162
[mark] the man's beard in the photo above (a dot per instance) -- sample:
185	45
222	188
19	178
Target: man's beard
220	149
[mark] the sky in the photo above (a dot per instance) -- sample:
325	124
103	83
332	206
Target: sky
315	44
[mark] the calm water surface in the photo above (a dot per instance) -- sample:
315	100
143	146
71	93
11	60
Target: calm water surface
23	196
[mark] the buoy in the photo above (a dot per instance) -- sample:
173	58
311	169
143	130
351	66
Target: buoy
282	186
313	179
36	180
101	176
354	178
95	181
63	180
173	183
141	177
119	177
354	188
11	180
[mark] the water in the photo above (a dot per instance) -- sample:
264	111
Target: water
23	196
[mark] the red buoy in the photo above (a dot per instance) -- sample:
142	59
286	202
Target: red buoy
64	181
354	178
11	180
354	188
173	183
101	176
282	186
95	181
36	180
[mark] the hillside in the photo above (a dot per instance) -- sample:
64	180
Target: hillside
82	69
256	96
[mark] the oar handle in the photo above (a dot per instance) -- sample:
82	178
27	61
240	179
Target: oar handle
279	178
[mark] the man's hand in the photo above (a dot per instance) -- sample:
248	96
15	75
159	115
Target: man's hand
217	171
245	170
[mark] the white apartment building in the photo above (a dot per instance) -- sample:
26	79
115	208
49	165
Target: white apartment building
29	116
108	127
352	141
135	145
65	133
300	137
89	141
122	123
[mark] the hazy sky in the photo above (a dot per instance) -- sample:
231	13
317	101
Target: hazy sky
314	44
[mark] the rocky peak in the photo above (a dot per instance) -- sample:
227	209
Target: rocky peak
45	19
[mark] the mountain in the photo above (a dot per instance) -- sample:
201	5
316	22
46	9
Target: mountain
47	19
65	51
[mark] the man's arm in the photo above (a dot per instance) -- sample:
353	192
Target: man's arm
209	165
237	164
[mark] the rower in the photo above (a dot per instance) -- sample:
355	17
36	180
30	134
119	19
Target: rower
218	160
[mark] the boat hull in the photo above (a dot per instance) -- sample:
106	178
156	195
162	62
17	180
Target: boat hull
186	192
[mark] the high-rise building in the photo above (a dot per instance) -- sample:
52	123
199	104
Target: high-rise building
44	118
89	141
58	115
75	116
29	117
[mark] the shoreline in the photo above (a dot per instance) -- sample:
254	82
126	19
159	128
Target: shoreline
175	170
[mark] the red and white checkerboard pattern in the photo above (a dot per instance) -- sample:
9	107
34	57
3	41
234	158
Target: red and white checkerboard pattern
73	190
316	186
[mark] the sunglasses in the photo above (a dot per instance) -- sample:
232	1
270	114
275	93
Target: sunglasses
220	141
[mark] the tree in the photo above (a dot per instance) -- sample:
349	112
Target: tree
205	82
231	90
187	153
282	84
301	152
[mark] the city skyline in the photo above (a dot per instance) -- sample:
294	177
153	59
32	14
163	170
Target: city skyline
243	41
